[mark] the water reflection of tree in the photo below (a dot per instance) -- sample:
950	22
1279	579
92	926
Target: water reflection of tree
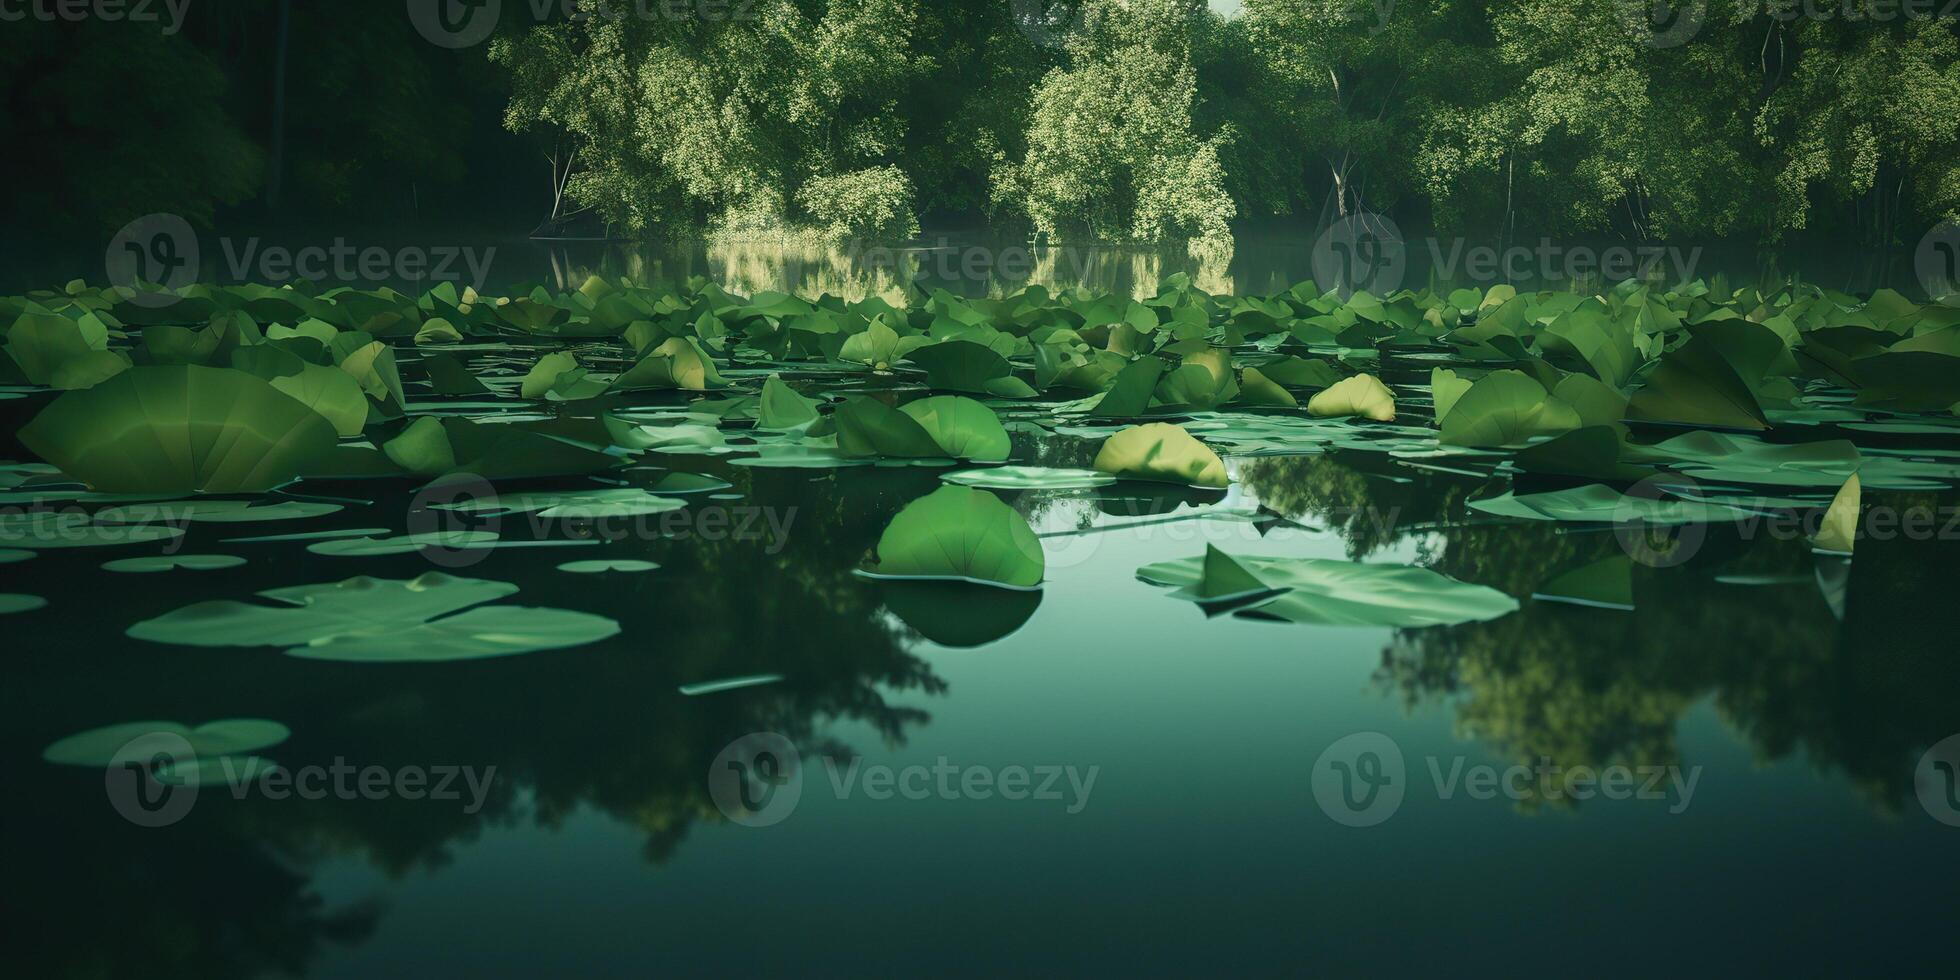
1367	498
601	728
1587	687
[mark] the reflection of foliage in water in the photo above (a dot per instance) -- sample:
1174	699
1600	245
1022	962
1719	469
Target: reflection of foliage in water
1586	687
1356	495
595	729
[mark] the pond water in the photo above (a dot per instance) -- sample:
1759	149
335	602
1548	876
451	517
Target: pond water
1096	777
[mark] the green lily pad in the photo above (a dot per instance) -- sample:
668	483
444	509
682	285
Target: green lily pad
10	555
1362	395
1029	478
1838	532
961	427
171	563
404	544
14	602
370	620
214	512
1338	593
572	504
964	534
781	408
1164	453
608	565
1603	504
98	747
180	429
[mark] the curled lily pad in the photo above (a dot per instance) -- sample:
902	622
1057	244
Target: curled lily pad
381	620
961	427
99	747
14	602
171	563
965	534
1362	395
1338	593
1838	532
1162	452
214	512
685	483
1030	478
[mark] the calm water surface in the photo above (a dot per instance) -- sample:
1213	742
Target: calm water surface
1785	700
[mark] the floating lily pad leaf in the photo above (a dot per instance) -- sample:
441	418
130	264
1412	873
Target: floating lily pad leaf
180	429
1163	453
781	408
1299	372
807	454
546	374
1342	593
1838	532
1129	396
44	531
729	684
10	555
349	532
214	512
679	362
1695	385
14	602
952	615
868	427
1764	579
879	346
98	748
381	620
1362	395
685	483
1256	389
962	365
679	440
1910	380
572	504
1591	453
371	362
1606	584
1223	585
1029	478
1603	504
1445	388
436	330
961	427
171	563
404	544
226	770
494	451
331	392
607	565
1505	408
1596	403
961	533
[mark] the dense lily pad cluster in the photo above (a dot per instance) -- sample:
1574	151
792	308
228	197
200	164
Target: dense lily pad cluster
250	388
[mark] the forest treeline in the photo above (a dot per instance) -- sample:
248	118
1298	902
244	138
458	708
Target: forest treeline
1142	120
